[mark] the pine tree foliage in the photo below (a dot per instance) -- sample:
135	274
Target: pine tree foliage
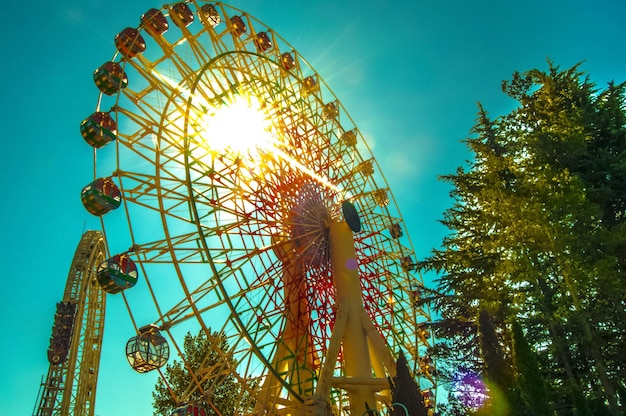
538	237
220	393
406	393
530	382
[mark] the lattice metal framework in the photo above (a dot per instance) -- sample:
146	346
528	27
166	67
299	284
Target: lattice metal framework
69	388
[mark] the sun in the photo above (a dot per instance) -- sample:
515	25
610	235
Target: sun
246	130
238	126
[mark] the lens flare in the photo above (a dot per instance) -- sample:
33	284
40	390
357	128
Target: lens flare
470	389
239	126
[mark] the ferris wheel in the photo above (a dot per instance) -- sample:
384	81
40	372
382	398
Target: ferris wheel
244	202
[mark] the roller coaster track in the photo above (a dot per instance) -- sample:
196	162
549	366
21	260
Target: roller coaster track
69	388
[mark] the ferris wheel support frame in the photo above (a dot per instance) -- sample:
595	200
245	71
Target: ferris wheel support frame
69	388
368	362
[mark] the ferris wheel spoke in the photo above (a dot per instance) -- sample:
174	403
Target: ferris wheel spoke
160	251
148	138
177	64
155	83
146	186
184	311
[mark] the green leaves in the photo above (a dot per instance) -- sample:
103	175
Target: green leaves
537	236
190	384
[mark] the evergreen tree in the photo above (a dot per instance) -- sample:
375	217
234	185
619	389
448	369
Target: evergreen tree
220	393
538	237
530	381
406	393
496	367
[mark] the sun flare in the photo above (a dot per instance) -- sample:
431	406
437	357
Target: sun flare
240	126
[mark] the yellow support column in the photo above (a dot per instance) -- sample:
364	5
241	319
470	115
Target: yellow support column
359	382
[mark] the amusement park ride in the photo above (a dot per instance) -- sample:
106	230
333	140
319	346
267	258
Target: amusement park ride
252	209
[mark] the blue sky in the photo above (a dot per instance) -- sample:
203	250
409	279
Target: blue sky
409	73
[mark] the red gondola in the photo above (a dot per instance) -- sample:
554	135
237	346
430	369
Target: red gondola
98	129
330	111
189	411
309	85
408	264
287	60
181	14
154	22
396	231
129	42
209	15
262	42
381	197
117	273
110	78
239	27
101	196
349	137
